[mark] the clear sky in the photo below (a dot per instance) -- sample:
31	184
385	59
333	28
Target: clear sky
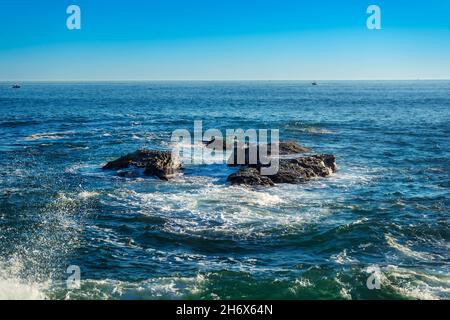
224	40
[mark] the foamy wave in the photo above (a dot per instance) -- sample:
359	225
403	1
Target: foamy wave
157	288
299	285
346	178
343	258
303	283
48	135
137	137
417	284
13	287
307	129
87	194
345	291
226	210
406	250
16	289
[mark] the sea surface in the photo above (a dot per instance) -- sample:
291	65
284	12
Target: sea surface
384	215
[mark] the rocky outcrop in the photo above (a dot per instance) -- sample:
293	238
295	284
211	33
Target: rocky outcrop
156	163
249	177
161	164
290	147
295	170
284	148
304	169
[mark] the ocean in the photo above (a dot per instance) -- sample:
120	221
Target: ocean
383	215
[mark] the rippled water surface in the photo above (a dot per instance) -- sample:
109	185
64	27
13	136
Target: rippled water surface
197	236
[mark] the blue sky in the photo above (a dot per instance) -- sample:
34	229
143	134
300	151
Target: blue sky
224	40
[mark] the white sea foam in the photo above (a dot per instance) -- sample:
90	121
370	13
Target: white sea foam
85	169
303	282
87	194
226	210
74	168
27	275
49	135
308	129
155	288
347	179
406	250
345	291
417	284
137	137
14	287
343	258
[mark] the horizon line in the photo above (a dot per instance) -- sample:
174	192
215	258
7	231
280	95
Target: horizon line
216	80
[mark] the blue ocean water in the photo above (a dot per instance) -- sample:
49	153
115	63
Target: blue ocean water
197	237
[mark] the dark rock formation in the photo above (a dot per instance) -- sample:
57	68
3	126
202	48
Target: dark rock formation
156	163
290	147
293	170
250	177
304	169
162	166
290	171
284	148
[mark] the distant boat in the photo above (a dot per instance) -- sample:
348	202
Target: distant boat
16	86
314	83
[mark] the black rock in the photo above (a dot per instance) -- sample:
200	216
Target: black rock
290	171
162	166
290	147
284	148
156	163
250	177
304	169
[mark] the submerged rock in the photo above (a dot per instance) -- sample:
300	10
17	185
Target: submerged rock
284	148
129	174
290	171
156	163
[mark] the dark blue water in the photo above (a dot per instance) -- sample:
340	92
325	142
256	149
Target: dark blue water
387	207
